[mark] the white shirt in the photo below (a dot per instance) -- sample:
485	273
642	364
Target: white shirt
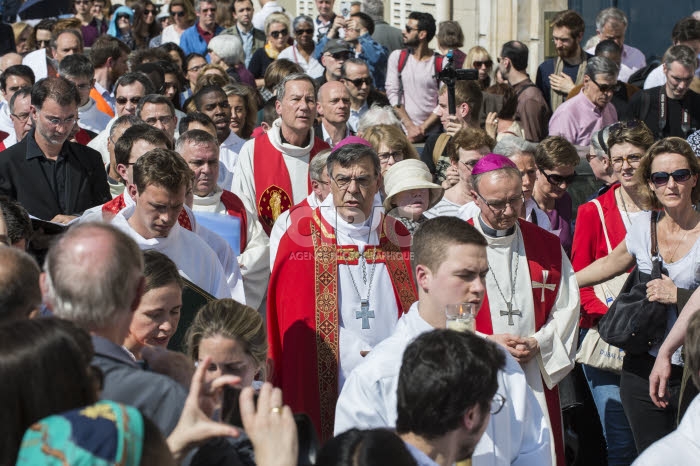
355	115
312	67
6	124
680	447
228	156
99	142
517	436
444	208
655	78
260	16
91	118
471	211
282	224
253	261
195	260
169	34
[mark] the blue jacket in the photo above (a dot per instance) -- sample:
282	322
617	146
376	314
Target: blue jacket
373	53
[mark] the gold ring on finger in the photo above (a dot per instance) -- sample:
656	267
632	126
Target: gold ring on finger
276	410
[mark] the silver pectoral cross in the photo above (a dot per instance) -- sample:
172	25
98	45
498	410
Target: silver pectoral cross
364	313
544	285
510	313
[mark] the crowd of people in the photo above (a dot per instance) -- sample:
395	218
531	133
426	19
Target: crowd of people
231	236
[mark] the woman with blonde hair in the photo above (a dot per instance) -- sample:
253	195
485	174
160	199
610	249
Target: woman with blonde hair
391	145
234	336
23	33
183	16
479	58
277	31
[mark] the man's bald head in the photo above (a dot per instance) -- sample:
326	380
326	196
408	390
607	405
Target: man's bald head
20	294
94	277
10	59
333	103
327	89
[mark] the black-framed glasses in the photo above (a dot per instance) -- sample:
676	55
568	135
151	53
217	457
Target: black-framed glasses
385	156
497	403
679	176
606	87
300	32
500	206
123	100
177	14
410	29
632	159
359	82
277	34
479	64
558	180
81	2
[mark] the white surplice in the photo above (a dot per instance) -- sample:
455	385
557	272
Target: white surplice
533	214
193	257
382	301
296	159
254	259
519	435
558	336
228	156
282	224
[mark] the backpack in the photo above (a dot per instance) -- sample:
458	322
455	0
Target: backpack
639	76
403	58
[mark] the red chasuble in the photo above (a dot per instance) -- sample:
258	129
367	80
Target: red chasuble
112	208
235	208
543	251
302	303
273	187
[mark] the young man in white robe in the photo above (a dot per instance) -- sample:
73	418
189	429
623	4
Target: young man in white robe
450	265
160	182
532	299
201	152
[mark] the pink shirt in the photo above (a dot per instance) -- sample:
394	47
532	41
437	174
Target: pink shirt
420	89
578	118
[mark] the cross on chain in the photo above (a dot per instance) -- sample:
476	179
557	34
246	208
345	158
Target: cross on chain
364	313
510	313
544	285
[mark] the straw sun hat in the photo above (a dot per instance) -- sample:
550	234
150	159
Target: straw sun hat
406	175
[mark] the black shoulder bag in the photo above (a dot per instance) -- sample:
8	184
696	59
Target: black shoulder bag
632	322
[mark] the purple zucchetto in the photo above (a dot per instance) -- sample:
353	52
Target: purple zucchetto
351	140
491	162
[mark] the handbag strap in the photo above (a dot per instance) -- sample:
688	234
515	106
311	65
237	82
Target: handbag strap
654	243
602	222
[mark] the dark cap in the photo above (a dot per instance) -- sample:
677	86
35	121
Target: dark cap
336	45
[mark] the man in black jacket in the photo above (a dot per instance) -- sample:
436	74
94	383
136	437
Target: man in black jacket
53	179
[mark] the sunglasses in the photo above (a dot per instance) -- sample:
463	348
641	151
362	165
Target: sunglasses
360	81
177	14
124	100
679	176
149	12
43	43
558	180
82	2
479	64
277	34
606	87
123	17
409	29
342	55
622	125
299	32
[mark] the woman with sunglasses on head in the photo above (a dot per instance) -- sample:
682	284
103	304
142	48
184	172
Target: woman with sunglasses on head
479	59
556	160
302	51
120	26
183	18
625	145
667	178
277	32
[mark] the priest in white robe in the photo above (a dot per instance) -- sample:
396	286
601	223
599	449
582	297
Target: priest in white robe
451	264
532	299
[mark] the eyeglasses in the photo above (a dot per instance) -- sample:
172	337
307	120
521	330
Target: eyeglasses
479	64
277	34
124	100
497	403
53	121
499	206
469	163
21	117
632	159
679	176
299	32
165	120
606	87
207	10
343	182
122	16
385	156
409	29
558	180
82	2
43	43
177	14
196	69
342	55
149	12
359	82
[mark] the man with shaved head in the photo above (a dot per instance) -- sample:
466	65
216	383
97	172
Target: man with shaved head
333	106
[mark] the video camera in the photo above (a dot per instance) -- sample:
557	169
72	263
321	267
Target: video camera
449	75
